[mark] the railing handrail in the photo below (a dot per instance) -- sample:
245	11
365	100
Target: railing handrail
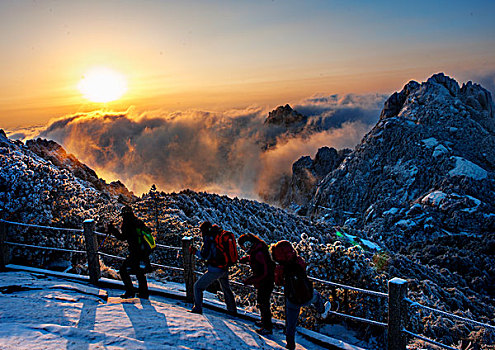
101	234
168	247
74	230
45	247
355	318
428	340
152	264
41	226
448	314
343	286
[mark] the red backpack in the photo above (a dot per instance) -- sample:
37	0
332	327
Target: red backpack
227	249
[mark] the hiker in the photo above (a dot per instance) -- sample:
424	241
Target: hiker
290	272
218	269
137	262
262	278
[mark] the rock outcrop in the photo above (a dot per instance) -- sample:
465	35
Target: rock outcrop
287	117
427	169
282	124
306	173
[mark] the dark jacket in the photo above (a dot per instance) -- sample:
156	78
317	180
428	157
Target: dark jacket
261	264
128	233
292	275
288	268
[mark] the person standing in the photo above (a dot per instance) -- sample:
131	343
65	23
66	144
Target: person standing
218	269
137	261
290	272
262	278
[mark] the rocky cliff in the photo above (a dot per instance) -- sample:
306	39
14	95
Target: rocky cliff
307	173
427	169
421	184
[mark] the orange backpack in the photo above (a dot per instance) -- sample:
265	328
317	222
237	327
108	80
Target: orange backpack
227	249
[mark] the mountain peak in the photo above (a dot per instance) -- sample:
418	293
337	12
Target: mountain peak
433	137
438	90
449	83
286	116
394	103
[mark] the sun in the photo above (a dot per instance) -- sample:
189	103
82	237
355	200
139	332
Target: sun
102	85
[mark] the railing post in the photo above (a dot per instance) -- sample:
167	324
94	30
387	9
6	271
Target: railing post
346	300
189	263
4	252
92	251
397	313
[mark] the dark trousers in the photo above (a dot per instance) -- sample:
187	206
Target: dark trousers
131	266
264	294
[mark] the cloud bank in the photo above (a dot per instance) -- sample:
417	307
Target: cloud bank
204	151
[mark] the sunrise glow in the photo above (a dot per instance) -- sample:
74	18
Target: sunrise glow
102	85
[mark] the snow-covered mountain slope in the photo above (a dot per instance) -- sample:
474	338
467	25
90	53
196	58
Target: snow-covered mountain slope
35	190
41	312
427	169
53	152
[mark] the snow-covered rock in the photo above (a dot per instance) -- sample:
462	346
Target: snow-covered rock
433	137
464	167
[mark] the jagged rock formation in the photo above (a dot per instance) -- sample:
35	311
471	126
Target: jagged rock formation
287	117
306	173
33	190
53	152
284	123
425	170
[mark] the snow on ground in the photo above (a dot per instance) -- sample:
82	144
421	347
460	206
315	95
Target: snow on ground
464	167
41	312
434	198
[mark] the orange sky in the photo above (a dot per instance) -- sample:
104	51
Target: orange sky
219	55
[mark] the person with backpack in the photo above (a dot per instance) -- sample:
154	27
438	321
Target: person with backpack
219	251
137	262
262	278
290	272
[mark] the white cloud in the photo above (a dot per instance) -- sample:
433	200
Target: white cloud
217	152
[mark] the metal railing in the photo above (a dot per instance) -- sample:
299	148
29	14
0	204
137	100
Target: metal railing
397	292
45	248
162	246
413	304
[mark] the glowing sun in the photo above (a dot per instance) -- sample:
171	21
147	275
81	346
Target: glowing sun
102	85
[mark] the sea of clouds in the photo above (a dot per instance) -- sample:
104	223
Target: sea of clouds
217	152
